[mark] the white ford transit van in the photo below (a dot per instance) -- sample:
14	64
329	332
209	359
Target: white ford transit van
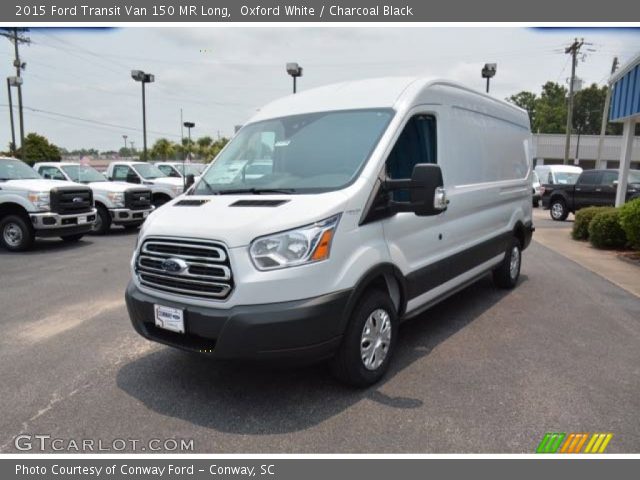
381	198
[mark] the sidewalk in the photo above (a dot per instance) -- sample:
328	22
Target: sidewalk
602	262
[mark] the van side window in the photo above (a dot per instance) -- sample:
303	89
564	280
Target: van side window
416	144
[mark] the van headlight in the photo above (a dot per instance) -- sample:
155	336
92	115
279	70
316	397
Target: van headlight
40	200
308	244
117	198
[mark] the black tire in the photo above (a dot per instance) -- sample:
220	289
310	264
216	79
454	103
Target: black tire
536	203
160	199
16	233
103	221
348	364
504	276
72	238
558	209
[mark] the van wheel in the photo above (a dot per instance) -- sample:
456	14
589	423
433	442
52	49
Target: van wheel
507	274
16	234
558	210
72	238
365	352
103	221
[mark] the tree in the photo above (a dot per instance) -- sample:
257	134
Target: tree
38	149
526	100
163	149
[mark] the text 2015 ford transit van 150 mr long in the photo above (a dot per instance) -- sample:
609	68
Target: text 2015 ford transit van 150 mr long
382	197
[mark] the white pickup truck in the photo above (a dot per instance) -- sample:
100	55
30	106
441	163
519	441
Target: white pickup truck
117	203
163	187
31	206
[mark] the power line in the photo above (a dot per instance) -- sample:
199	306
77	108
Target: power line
88	120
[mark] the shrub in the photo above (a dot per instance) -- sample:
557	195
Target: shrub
605	230
583	219
630	222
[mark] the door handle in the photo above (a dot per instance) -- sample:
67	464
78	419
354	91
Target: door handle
598	189
578	189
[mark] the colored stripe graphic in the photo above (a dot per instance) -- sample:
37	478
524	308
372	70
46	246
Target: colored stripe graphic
550	443
556	442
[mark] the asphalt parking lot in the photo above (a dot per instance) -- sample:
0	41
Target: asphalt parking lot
485	371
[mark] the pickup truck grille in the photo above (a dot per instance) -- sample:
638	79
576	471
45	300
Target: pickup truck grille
137	199
185	267
71	200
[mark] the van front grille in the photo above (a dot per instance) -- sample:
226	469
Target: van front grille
185	267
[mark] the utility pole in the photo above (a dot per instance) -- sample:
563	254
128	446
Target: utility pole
12	147
605	114
16	36
573	50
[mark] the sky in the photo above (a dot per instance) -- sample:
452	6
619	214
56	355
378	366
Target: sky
78	91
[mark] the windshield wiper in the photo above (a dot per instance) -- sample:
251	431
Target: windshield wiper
256	191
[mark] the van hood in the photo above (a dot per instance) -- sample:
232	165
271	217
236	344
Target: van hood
38	184
237	226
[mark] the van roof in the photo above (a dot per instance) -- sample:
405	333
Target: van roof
387	92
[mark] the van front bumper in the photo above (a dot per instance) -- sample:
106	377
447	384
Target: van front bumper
309	329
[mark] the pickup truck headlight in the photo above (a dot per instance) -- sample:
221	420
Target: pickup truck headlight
117	198
308	244
177	189
40	200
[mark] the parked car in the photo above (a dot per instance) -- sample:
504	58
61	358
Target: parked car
31	206
536	189
385	197
163	187
593	188
117	203
558	174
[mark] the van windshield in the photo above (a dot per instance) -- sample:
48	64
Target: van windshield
310	153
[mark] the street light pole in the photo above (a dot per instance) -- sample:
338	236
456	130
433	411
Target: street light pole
189	126
489	71
295	71
144	78
125	144
13	129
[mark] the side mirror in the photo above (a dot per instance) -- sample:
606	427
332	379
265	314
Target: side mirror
132	178
426	191
190	180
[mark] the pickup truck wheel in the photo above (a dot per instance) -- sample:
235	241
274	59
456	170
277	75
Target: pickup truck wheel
558	210
507	274
536	203
16	234
103	221
72	238
365	352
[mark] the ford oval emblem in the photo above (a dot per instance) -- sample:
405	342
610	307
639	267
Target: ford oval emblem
77	199
174	265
